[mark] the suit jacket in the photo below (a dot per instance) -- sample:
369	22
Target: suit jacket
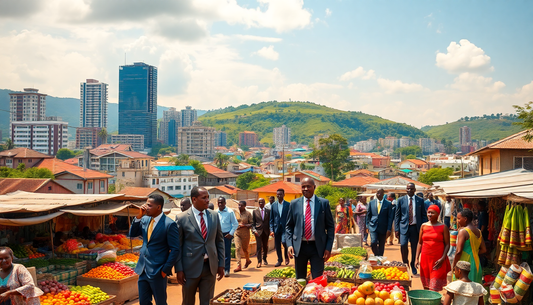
324	225
277	222
382	222
162	251
401	219
193	245
261	225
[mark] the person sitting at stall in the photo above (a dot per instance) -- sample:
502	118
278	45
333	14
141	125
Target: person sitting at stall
463	291
59	239
16	283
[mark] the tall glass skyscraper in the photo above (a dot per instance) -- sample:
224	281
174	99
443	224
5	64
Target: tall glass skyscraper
137	101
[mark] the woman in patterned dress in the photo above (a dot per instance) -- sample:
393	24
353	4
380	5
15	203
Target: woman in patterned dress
16	282
342	216
360	211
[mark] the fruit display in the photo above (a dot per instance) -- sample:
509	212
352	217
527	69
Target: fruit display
32	252
282	273
288	289
378	275
110	271
370	293
65	297
128	257
94	294
37	263
393	273
396	264
343	272
358	251
71	246
235	296
347	259
37	255
342	284
19	251
52	286
262	296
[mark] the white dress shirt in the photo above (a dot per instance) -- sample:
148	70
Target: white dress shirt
414	209
312	204
197	217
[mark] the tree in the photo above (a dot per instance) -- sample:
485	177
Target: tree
221	160
22	172
235	160
9	144
334	153
258	182
409	157
245	148
409	150
111	189
199	168
65	153
254	161
182	159
166	150
244	180
436	174
526	115
102	134
333	194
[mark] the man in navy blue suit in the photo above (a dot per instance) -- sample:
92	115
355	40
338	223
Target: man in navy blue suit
410	215
159	252
379	218
278	220
310	231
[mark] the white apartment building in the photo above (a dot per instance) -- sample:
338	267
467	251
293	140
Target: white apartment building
365	146
282	136
46	137
196	140
177	181
404	141
29	105
93	104
427	145
188	116
135	140
169	126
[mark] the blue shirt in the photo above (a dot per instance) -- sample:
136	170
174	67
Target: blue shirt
436	202
228	221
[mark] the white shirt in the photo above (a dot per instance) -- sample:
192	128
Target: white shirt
197	217
447	209
268	205
414	208
312	203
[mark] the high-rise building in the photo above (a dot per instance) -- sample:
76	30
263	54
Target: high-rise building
464	136
137	101
221	139
427	145
168	129
29	105
404	141
248	138
87	137
46	137
196	140
93	104
282	136
188	116
390	142
135	140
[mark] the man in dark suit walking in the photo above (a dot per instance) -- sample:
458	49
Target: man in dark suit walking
159	252
410	215
379	218
261	230
201	260
310	231
278	220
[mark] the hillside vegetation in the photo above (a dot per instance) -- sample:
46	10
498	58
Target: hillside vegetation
305	120
490	129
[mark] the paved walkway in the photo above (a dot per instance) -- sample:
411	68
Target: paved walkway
254	275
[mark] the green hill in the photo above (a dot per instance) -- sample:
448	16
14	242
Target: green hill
490	129
305	120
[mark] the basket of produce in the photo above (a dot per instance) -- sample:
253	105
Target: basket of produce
231	296
337	271
287	272
388	275
371	293
316	294
261	297
347	259
357	251
288	292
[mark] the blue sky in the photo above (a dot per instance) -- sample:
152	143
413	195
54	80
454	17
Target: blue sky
418	62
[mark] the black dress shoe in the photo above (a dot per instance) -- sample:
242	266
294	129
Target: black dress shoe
265	262
277	264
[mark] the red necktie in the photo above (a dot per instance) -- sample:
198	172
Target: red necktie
308	227
410	210
202	223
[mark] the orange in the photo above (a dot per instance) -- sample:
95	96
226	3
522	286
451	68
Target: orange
399	302
352	299
384	295
369	301
389	302
379	301
360	301
367	288
359	294
372	296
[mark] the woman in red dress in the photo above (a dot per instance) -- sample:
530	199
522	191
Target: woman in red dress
431	254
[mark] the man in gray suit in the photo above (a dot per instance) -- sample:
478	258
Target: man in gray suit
201	260
309	231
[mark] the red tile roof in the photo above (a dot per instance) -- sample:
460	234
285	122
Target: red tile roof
138	191
416	161
10	185
290	188
217	172
315	176
515	141
228	189
57	166
22	152
72	161
361	172
356	181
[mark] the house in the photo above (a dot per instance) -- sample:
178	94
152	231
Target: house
226	191
13	157
75	178
360	172
175	180
144	192
292	191
509	153
38	185
131	172
356	182
372	159
217	176
298	176
414	164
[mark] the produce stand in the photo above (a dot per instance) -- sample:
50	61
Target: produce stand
111	300
288	301
125	289
299	302
406	284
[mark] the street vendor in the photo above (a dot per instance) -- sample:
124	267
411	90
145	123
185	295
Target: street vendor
16	283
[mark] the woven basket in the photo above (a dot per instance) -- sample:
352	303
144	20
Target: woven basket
212	301
288	301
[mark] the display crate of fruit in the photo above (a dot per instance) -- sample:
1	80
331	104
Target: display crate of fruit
281	273
300	302
405	283
111	300
225	298
71	281
336	271
125	289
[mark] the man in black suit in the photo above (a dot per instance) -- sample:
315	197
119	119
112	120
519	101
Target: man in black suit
379	218
278	220
261	230
410	215
310	231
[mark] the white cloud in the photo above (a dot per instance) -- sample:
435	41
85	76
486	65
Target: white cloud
328	12
268	53
464	57
358	73
472	82
396	86
258	38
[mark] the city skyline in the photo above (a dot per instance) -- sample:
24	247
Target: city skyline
441	62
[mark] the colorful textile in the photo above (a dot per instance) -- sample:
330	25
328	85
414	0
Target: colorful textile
471	254
343	220
432	250
21	281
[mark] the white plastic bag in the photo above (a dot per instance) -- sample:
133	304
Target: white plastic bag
109	256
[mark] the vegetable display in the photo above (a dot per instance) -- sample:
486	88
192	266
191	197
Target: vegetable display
94	294
347	259
358	251
110	271
233	296
37	263
283	273
52	286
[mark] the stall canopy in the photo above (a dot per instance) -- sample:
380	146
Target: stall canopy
114	208
514	184
19	222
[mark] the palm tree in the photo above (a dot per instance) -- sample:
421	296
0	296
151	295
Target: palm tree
9	144
182	159
221	160
102	134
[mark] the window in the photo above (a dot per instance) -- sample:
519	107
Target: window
90	186
123	174
189	187
20	160
9	161
296	179
178	187
153	181
79	186
289	180
523	162
102	184
49	188
29	160
170	188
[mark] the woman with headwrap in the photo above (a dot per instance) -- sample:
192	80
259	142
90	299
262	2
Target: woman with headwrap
432	250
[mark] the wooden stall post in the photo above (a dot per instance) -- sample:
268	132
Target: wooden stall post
129	226
51	238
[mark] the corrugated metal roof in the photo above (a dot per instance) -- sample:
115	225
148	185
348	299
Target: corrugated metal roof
175	168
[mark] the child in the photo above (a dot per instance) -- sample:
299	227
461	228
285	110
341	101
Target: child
463	291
